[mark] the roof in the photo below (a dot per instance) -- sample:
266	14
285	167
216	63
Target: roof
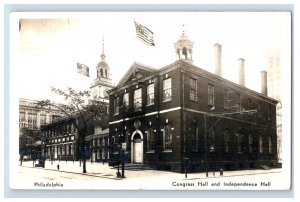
104	132
127	79
102	64
136	71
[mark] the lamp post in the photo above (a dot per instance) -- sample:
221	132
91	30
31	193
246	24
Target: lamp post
118	161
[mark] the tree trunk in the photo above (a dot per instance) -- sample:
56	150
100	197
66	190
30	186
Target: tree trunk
84	166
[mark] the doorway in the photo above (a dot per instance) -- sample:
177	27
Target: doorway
137	147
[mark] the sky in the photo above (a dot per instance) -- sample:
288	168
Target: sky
49	45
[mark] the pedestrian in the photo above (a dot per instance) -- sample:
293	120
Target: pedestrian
57	166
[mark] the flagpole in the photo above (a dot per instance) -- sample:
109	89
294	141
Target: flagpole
134	43
134	49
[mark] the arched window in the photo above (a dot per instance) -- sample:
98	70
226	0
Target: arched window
185	53
101	72
105	72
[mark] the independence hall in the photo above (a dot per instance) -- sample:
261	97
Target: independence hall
181	114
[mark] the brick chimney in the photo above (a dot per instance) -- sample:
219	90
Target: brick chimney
264	84
218	59
241	65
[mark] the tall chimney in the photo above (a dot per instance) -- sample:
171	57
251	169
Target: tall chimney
241	63
264	84
218	59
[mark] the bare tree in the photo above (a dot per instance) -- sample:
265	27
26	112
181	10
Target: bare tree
86	114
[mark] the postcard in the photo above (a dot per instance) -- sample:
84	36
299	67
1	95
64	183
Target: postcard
150	101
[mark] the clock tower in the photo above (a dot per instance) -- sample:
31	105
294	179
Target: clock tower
103	82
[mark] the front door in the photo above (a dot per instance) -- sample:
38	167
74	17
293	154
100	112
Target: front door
137	147
137	151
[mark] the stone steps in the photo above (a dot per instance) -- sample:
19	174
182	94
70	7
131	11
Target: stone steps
134	167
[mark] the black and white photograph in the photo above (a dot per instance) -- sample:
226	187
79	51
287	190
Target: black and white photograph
150	100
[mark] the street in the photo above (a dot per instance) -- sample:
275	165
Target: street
103	176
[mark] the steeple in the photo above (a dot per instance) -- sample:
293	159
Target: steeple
103	82
184	47
102	56
102	67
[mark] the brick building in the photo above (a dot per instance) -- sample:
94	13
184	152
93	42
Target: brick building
63	142
163	117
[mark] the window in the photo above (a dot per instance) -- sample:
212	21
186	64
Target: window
167	88
260	145
250	104
211	140
68	149
250	143
238	101
126	101
137	99
150	94
259	110
72	149
32	119
116	105
167	138
239	142
211	100
63	149
193	89
150	139
103	142
98	142
195	137
226	103
226	140
270	145
269	112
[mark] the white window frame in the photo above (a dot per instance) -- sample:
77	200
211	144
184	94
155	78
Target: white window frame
150	93
137	99
167	89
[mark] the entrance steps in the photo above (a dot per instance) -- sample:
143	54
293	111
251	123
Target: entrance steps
265	167
134	167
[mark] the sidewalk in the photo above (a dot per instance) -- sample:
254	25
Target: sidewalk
105	171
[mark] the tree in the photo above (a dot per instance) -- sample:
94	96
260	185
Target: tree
86	114
28	140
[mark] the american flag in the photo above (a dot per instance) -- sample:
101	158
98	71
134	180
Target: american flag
83	69
145	34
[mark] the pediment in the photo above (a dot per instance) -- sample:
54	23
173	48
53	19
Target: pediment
135	72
